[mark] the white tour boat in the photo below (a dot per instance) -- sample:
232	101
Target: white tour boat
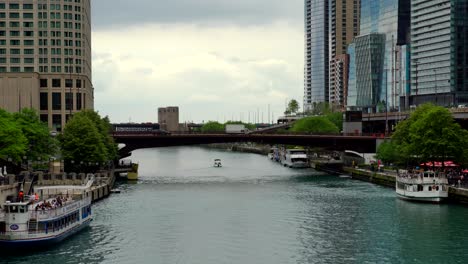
295	158
217	163
427	186
49	216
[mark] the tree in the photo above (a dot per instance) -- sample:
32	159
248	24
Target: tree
82	142
293	107
337	119
212	126
315	124
41	144
436	137
13	143
387	152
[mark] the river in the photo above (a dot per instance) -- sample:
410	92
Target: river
252	210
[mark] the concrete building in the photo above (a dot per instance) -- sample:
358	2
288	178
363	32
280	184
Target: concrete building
168	118
439	52
45	58
316	61
345	16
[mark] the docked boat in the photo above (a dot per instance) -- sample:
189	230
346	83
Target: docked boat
295	158
51	215
427	186
217	163
272	153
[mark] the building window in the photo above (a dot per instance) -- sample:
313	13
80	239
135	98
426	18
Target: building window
44	104
78	101
45	119
43	83
56	83
78	83
56	101
57	123
69	101
68	83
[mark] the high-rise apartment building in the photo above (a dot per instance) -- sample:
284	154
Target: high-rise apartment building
45	58
316	69
344	19
390	19
439	52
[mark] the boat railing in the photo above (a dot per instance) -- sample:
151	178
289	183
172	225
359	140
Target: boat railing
41	214
420	179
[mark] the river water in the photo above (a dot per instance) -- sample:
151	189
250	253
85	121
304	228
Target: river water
252	210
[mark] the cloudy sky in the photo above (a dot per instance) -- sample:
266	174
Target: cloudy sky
215	59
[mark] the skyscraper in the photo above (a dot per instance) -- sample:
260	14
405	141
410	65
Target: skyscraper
316	72
344	27
386	21
439	52
45	58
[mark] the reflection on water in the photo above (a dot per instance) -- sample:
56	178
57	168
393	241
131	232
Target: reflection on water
182	210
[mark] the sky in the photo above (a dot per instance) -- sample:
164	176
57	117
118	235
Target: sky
217	60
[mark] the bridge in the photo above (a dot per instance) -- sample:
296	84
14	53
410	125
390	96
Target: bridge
133	141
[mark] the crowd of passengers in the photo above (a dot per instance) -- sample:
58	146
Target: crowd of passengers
455	176
59	201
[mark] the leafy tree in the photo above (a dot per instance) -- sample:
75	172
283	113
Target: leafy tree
82	141
321	108
436	136
13	143
41	144
315	124
337	119
387	152
293	107
104	127
212	126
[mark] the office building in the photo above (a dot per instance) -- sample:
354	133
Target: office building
439	52
316	71
168	118
344	19
386	21
45	58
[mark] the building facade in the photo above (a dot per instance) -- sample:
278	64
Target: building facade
45	58
316	65
344	19
439	52
168	118
390	19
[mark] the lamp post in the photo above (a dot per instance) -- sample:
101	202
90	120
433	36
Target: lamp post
70	68
435	84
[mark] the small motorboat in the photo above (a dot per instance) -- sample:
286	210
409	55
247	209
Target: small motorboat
217	163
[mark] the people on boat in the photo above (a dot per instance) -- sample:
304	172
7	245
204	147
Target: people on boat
21	195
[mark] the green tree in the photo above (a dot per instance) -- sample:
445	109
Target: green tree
337	119
82	142
436	136
212	126
104	127
41	144
13	143
293	107
387	152
315	124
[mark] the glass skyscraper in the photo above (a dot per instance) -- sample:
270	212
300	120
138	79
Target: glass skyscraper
316	69
439	51
386	21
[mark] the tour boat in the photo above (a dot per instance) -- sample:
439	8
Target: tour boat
272	153
295	158
49	216
427	186
217	163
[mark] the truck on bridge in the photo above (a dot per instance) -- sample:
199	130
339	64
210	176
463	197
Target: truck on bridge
235	129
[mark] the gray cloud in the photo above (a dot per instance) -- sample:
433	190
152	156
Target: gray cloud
111	13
